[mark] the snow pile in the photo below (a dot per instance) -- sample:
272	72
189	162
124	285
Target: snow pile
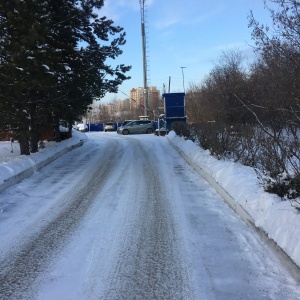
277	218
15	167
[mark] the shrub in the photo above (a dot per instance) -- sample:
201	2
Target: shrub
182	129
222	140
275	156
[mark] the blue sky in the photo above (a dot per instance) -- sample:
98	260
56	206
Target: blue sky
190	34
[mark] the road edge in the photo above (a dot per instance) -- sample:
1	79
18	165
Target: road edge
36	166
292	265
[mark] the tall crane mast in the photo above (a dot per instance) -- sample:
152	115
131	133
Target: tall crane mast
144	47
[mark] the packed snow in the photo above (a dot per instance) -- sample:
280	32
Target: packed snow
280	220
238	184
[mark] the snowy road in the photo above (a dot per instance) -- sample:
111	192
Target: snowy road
124	217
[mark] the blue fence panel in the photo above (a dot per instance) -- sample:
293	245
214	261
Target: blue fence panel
95	127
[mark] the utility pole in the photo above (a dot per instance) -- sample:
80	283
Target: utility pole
142	4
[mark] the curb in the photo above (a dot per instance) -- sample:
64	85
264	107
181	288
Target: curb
243	214
221	191
36	167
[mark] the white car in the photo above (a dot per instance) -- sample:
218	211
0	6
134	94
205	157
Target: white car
110	126
82	127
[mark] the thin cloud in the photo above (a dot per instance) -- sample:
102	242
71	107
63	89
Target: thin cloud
114	9
168	22
204	16
234	45
180	15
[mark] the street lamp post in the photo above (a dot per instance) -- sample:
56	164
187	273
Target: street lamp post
183	77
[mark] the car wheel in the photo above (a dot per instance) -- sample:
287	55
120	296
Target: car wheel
149	130
125	132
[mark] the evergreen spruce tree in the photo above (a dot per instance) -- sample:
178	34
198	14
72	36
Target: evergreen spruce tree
45	76
22	77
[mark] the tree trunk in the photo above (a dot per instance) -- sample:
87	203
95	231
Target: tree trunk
57	136
34	140
33	132
23	141
70	127
33	135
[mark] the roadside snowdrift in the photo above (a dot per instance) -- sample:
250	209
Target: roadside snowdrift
240	187
15	167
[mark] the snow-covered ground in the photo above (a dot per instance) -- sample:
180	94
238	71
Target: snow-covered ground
15	167
277	218
280	220
103	233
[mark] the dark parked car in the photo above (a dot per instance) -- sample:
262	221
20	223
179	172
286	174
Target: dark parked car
138	126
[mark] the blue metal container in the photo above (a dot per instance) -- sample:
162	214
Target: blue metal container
174	105
174	109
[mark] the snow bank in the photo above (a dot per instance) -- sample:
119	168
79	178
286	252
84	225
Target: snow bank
241	188
22	166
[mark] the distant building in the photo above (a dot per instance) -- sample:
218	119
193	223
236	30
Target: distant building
138	95
153	97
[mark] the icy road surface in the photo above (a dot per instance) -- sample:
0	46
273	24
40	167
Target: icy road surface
124	217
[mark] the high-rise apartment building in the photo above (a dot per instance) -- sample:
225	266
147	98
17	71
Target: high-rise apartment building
138	96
